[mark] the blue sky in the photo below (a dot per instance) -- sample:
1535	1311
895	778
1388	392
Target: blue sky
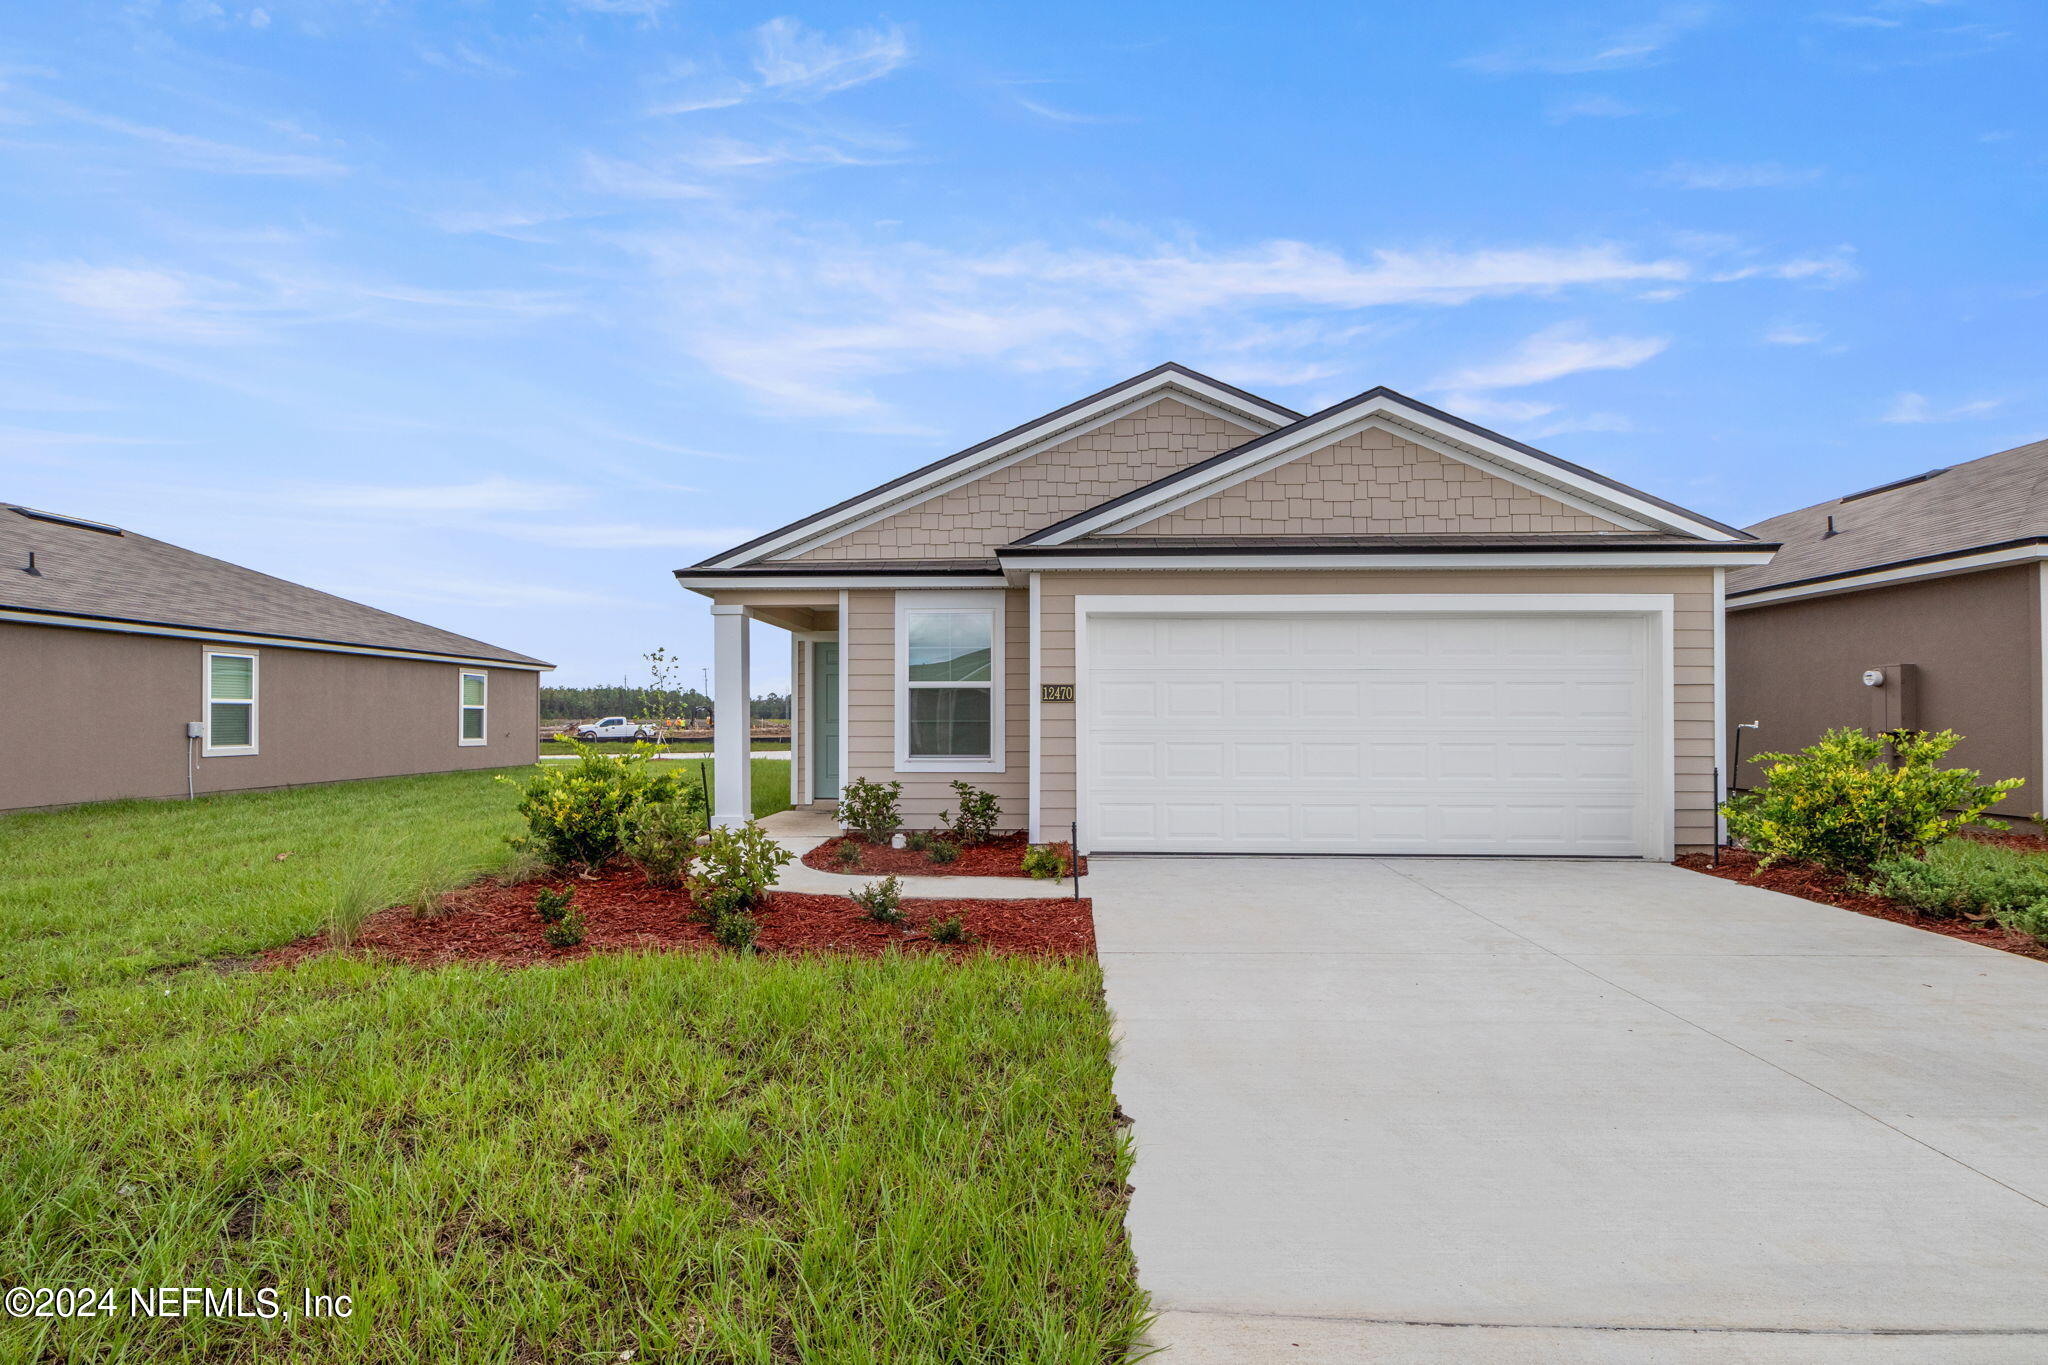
494	314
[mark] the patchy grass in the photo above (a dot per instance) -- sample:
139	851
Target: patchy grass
104	892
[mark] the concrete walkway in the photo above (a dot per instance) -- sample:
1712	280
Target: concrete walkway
801	829
1456	1111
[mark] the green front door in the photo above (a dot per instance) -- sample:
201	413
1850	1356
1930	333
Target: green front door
825	720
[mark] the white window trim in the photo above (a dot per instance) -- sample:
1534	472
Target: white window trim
462	707
207	748
906	602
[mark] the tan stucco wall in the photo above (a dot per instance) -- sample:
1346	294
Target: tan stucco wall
93	715
1044	488
1692	680
1371	483
868	654
1973	641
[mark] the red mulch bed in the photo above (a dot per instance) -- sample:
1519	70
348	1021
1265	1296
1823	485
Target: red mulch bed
1002	856
489	922
1811	883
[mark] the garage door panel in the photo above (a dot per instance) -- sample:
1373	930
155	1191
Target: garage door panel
1366	733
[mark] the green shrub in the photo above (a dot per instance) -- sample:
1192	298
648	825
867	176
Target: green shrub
1839	804
952	929
873	809
734	870
942	852
573	810
552	904
2031	920
979	811
1964	877
848	853
735	929
919	841
661	836
565	932
882	900
1045	862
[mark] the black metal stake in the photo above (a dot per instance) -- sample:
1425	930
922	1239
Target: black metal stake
1074	855
1717	816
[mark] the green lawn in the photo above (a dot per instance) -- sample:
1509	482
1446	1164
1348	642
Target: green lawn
690	1157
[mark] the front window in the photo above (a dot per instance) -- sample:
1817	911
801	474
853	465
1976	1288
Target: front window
475	691
230	703
950	675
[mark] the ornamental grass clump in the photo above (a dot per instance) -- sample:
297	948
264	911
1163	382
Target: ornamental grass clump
1841	805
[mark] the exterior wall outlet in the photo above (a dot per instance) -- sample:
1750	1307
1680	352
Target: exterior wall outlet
195	729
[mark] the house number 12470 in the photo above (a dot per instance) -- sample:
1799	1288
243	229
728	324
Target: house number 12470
1055	691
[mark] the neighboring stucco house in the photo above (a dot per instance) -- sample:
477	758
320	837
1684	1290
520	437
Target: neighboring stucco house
113	646
1191	620
1917	604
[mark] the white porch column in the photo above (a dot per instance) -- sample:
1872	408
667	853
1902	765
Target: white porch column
732	768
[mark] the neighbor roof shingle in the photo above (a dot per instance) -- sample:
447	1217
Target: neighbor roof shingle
1992	501
132	578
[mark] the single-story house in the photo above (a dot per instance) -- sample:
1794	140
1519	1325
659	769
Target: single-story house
1917	604
130	667
1186	619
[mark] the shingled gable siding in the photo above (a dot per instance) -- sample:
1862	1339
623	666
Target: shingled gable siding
869	656
1370	483
1050	486
1692	684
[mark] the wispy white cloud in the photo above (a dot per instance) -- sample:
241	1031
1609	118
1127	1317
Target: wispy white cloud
493	494
1692	175
624	535
197	153
1910	408
797	62
638	180
1054	114
642	9
1792	334
1590	106
1564	349
1639	45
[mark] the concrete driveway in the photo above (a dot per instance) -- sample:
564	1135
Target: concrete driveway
1431	1111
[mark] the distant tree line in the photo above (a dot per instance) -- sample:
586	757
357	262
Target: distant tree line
588	703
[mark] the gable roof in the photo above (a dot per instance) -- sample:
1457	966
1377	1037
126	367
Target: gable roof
1171	379
1571	483
90	572
1994	503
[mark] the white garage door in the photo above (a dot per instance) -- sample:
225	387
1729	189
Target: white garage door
1383	733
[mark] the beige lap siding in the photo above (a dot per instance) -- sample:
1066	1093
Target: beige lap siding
1692	681
868	655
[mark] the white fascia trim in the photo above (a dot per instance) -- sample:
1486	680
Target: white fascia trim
1191	391
707	586
1320	433
1475	559
1939	568
1517	475
225	637
994	603
1720	700
1658	608
909	496
1032	775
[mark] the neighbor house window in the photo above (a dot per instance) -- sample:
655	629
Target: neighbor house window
230	703
475	689
950	679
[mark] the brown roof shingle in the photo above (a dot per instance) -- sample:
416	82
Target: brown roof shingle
121	576
1991	501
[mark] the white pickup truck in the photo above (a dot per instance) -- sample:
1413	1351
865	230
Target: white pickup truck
615	727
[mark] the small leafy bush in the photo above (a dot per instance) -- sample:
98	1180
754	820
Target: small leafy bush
942	852
565	932
2031	920
918	841
979	811
873	809
848	853
1961	877
1045	862
735	929
952	929
1839	804
882	900
661	836
573	810
552	904
734	870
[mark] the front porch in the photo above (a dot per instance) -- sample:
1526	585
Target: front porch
816	690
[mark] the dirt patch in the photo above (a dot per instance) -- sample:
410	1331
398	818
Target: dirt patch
1811	883
1000	857
488	922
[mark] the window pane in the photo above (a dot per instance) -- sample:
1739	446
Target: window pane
230	723
472	689
949	646
472	722
234	677
949	722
